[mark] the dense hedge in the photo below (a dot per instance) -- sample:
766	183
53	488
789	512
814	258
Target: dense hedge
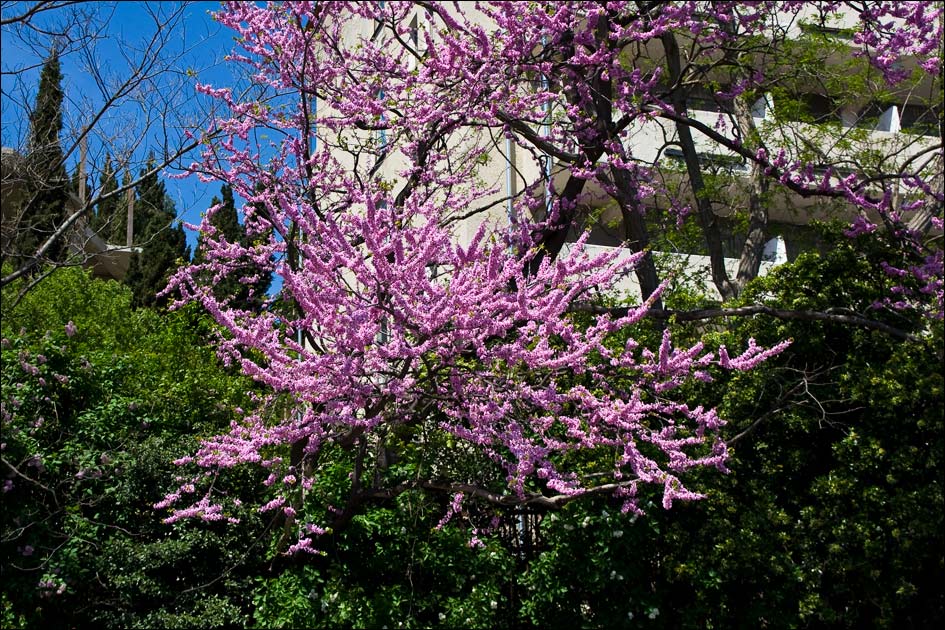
831	515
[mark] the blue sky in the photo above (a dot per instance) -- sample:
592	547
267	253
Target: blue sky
197	46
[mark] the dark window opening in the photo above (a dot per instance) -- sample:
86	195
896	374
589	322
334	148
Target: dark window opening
819	108
869	116
829	31
711	160
707	100
920	119
807	108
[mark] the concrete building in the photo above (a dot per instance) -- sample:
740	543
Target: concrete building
106	260
897	128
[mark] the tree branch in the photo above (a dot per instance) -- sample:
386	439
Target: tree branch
71	220
829	315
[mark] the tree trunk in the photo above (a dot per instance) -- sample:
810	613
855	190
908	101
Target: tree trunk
707	218
750	261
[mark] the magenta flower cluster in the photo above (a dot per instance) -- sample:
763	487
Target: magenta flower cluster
401	320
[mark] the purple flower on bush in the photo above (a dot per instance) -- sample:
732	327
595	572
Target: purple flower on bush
29	369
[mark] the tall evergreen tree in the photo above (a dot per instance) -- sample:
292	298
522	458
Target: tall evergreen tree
245	286
149	204
46	181
228	228
259	279
109	216
161	238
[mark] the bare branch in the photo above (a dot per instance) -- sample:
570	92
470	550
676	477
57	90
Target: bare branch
73	218
830	315
36	9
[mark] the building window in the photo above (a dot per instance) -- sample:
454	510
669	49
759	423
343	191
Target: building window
711	161
707	100
378	24
845	34
921	119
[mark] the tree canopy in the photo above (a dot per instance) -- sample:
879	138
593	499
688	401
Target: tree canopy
164	244
591	315
43	173
422	321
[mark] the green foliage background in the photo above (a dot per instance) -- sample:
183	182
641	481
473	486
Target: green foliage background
127	394
831	514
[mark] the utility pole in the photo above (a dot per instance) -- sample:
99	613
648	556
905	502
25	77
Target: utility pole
130	193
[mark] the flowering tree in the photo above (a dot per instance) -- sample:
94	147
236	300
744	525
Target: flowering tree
424	318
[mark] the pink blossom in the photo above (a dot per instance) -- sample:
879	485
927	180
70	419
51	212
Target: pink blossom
411	322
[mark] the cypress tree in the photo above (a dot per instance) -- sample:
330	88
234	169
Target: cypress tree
109	216
161	238
47	183
260	278
246	284
228	228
